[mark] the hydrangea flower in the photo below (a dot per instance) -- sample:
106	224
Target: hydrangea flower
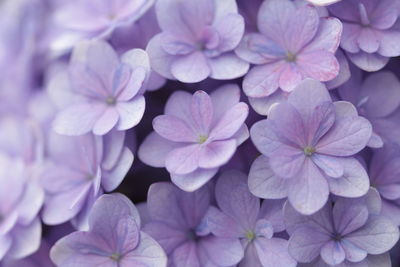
294	43
114	239
371	33
78	171
309	142
176	221
241	217
20	202
345	230
384	174
78	20
197	40
198	134
376	98
105	92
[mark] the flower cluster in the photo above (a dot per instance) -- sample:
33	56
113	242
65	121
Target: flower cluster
267	133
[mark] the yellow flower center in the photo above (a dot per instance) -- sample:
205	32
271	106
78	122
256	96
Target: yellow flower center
308	151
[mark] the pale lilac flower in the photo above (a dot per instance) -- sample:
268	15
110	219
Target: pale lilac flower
77	20
346	229
294	43
176	221
309	142
78	171
377	97
384	174
197	40
198	134
20	202
241	217
371	33
105	92
114	239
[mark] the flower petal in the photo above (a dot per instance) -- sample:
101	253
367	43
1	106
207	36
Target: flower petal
174	129
191	68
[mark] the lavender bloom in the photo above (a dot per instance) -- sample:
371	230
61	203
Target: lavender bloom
197	135
20	202
114	239
376	98
175	220
371	33
294	44
78	171
346	230
385	177
105	92
197	40
240	217
309	142
78	20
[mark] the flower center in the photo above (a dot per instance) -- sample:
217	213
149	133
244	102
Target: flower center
309	150
337	236
110	101
202	139
290	57
191	235
250	235
115	256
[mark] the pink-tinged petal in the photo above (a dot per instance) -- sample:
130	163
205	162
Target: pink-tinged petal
368	62
106	121
273	252
264	183
230	122
222	251
201	109
353	183
389	44
349	217
168	237
230	29
216	153
349	37
369	40
160	60
174	129
227	66
333	253
191	68
26	239
78	119
126	234
309	190
331	166
81	249
306	243
379	104
130	113
186	255
222	225
328	35
319	65
262	80
223	99
344	71
290	77
154	150
112	178
352	252
194	180
377	236
183	160
147	253
239	204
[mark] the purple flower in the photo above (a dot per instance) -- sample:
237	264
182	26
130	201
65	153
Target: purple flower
198	134
294	44
376	98
78	171
78	20
345	230
240	217
114	239
384	174
20	201
371	33
176	221
197	40
105	92
308	143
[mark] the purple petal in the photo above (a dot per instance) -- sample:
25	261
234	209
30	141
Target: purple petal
221	225
191	68
194	180
273	252
333	253
329	165
174	129
167	236
183	160
353	253
368	62
216	153
223	251
328	35
186	255
347	217
106	121
230	29
201	111
112	179
262	80
160	60
26	239
318	65
130	113
223	99
389	43
227	67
